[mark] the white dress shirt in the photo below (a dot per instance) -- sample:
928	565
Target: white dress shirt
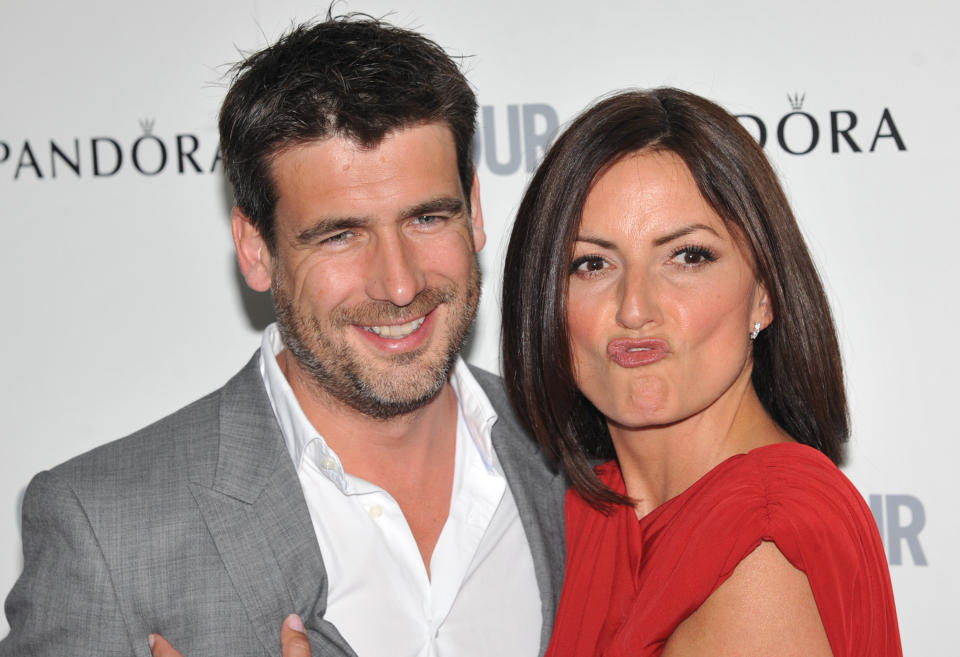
482	596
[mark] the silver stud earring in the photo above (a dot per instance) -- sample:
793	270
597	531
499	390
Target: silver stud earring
756	331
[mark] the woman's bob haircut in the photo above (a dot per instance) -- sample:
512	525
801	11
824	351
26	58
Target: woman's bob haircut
797	369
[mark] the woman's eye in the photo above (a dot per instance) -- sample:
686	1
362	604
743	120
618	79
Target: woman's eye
588	265
693	256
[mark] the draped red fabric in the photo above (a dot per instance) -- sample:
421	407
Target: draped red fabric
629	583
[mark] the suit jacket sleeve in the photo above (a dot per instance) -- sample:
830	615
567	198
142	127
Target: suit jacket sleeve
64	603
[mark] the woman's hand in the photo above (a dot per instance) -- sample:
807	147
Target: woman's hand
293	638
293	641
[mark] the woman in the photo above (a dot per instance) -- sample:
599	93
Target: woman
660	309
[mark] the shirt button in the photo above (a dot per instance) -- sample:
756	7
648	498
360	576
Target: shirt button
328	464
375	511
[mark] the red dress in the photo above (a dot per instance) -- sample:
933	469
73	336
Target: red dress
629	583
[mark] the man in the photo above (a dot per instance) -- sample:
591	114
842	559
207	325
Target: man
356	472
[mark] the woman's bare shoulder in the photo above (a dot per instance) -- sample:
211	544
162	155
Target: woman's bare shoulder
765	607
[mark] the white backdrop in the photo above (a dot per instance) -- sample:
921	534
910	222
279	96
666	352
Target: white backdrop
123	302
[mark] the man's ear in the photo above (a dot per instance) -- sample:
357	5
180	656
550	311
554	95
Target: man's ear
253	256
476	215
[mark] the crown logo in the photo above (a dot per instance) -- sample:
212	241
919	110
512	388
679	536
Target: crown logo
796	101
147	125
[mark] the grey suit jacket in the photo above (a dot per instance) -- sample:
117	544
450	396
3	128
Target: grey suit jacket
196	527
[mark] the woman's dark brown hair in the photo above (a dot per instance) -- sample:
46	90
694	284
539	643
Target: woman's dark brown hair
797	370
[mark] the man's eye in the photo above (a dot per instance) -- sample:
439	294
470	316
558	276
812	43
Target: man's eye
339	238
428	220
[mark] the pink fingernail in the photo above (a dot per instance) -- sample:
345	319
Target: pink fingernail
151	640
294	622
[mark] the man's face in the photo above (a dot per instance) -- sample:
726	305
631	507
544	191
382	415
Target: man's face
374	276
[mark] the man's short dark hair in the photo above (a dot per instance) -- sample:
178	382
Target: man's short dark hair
351	76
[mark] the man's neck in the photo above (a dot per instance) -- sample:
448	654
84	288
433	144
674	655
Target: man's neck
368	445
411	456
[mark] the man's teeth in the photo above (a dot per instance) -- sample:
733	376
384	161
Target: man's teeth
398	330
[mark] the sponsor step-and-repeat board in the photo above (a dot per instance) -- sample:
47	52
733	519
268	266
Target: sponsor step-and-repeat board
123	301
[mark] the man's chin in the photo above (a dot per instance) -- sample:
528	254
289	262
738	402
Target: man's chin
403	384
384	386
384	403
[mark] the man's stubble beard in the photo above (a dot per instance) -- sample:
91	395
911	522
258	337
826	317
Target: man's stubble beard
339	370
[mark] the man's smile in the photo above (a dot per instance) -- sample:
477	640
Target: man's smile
396	331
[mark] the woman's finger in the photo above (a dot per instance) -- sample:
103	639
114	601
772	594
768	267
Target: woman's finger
293	640
160	647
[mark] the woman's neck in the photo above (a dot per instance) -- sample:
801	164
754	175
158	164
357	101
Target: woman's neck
659	463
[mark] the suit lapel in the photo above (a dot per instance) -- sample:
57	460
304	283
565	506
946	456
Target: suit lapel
258	518
245	549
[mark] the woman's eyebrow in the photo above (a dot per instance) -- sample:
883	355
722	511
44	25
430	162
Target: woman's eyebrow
682	232
598	241
660	241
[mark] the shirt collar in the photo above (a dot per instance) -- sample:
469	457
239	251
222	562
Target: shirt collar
476	410
476	415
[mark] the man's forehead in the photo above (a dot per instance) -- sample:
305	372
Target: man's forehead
348	142
337	177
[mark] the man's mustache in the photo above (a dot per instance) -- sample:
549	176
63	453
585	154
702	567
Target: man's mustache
376	313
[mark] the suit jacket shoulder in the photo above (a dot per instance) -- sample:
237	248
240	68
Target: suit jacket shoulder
181	446
194	519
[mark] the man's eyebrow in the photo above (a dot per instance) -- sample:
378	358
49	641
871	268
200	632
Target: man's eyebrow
682	232
450	205
329	226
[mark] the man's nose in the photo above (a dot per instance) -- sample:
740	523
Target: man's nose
395	273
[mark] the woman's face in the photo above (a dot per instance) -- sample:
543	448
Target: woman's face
661	298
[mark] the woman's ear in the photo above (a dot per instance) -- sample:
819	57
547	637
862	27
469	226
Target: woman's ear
763	308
